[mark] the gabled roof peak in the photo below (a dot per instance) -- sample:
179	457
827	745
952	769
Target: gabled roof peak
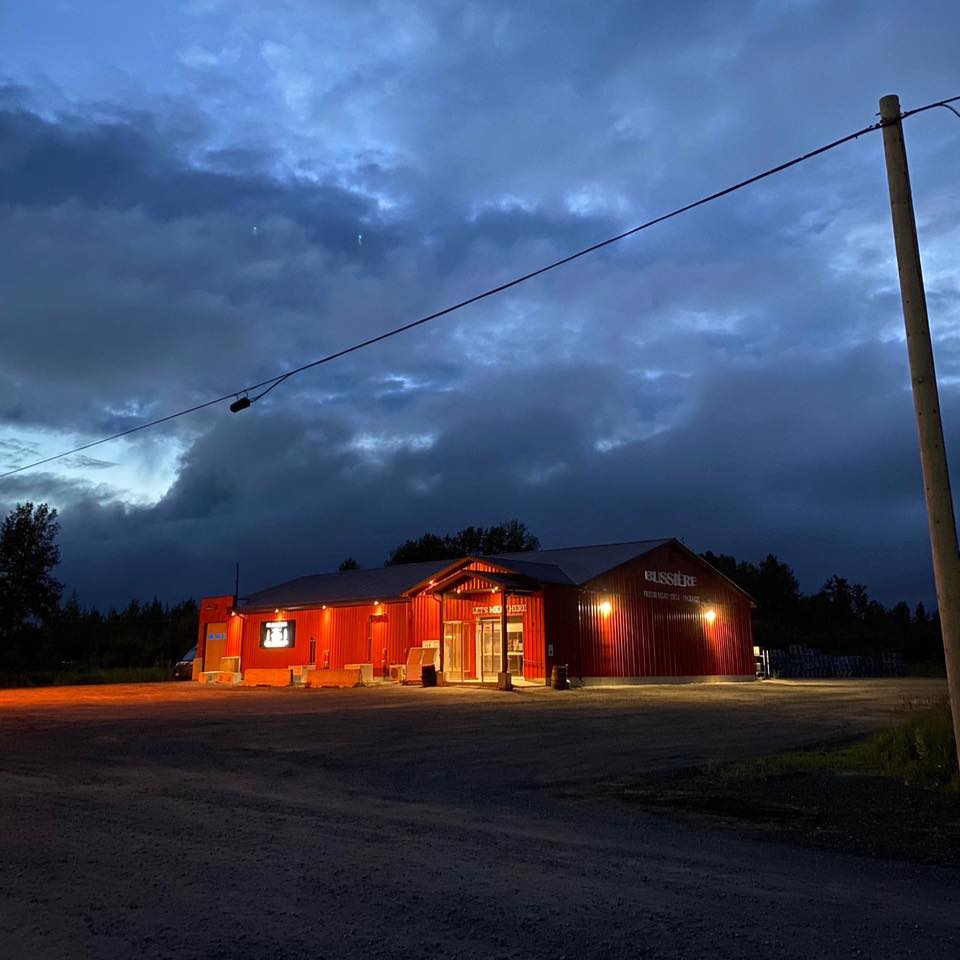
581	564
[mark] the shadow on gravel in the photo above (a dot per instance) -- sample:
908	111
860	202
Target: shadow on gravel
841	811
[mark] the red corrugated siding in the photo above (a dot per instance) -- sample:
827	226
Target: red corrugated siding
426	618
472	587
534	639
646	635
234	637
484	565
343	635
561	627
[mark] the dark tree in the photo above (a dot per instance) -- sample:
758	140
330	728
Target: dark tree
139	635
926	641
900	615
862	604
840	618
468	542
29	593
839	599
427	547
348	564
778	588
511	536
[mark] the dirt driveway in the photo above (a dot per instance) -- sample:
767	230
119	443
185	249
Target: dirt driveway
175	821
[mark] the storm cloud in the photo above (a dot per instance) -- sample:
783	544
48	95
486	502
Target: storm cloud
255	186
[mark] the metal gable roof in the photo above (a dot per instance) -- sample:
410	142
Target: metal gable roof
568	565
577	565
380	583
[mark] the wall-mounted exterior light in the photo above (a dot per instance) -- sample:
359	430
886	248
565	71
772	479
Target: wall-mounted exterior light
710	615
606	607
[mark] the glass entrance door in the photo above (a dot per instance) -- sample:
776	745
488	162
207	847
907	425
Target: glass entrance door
454	662
515	647
488	648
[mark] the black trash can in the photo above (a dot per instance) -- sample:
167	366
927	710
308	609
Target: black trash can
428	675
558	677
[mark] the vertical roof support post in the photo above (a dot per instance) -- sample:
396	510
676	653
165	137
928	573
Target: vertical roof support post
504	681
443	628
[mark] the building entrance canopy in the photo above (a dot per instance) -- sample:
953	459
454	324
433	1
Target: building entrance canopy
493	636
468	582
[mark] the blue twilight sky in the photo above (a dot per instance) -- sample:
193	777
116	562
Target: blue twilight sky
197	195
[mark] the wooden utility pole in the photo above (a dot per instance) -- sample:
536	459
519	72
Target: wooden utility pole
926	401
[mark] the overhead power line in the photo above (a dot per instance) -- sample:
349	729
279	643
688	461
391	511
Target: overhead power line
932	106
242	396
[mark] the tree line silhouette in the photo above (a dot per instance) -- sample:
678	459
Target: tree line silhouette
841	617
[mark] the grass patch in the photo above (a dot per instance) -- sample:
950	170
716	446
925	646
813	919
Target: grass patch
894	794
58	678
921	752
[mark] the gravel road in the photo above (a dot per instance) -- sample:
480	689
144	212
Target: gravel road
169	821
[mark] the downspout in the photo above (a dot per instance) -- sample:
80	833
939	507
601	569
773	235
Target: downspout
579	631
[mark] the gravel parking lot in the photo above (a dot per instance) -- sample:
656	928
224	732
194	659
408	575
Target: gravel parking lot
178	821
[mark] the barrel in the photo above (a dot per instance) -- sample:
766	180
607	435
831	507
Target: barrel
558	677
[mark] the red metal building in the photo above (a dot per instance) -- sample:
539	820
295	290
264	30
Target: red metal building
615	613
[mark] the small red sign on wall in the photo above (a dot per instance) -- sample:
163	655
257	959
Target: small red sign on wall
378	618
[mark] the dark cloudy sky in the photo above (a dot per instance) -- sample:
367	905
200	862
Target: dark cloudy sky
196	195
